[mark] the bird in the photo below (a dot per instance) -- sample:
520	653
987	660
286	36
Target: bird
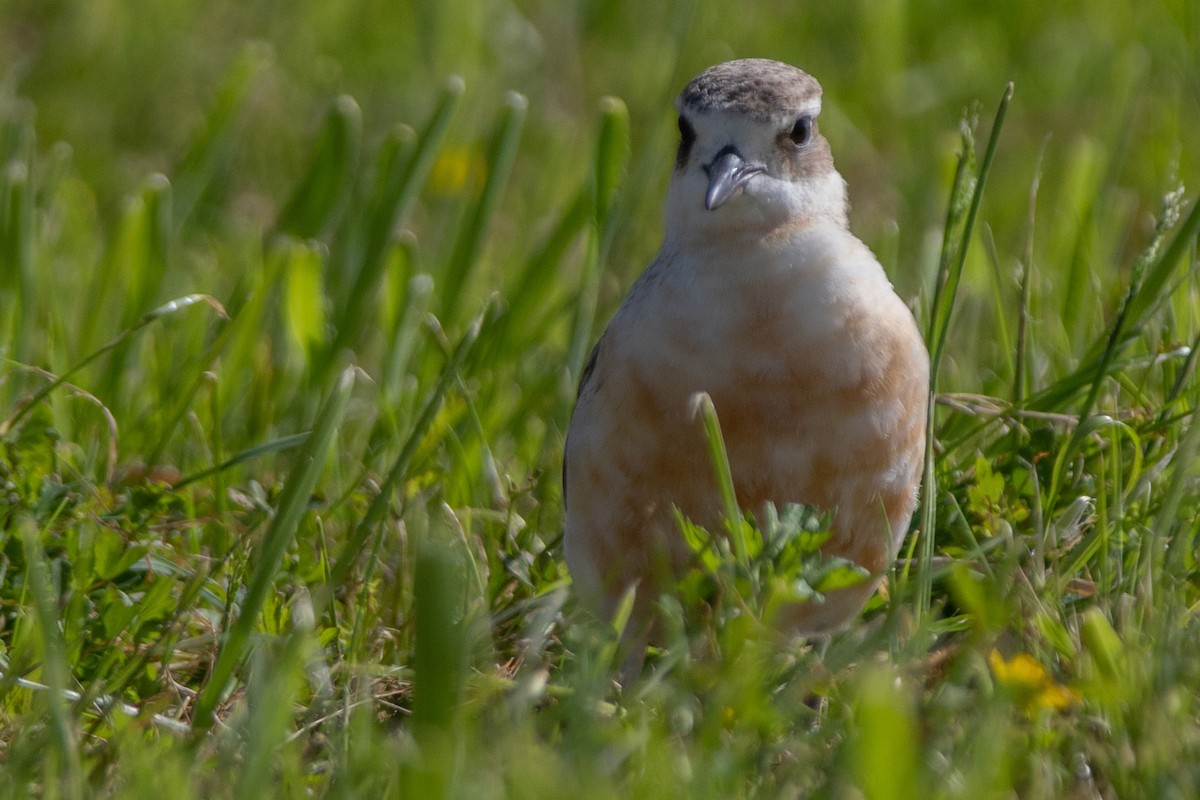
761	297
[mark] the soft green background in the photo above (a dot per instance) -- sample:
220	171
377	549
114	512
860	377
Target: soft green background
1110	85
382	600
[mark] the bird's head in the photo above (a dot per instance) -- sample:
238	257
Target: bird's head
751	158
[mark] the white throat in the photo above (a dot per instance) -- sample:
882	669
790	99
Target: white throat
768	204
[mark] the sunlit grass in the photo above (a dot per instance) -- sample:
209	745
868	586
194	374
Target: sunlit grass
289	333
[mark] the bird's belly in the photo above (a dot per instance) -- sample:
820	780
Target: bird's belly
830	415
795	433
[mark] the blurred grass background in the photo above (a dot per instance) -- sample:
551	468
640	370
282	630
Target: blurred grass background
1113	86
212	491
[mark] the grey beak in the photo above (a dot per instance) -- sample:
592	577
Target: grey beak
727	174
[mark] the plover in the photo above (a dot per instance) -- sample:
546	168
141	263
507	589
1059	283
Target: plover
761	297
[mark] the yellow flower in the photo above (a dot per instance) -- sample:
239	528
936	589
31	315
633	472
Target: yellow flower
457	169
1029	684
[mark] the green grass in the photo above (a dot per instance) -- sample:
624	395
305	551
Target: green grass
290	321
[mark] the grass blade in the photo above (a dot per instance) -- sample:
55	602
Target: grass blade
1150	294
405	334
1183	470
439	662
377	510
17	242
249	454
1141	300
400	180
939	326
275	681
702	405
292	504
530	296
325	187
139	261
883	748
65	744
610	164
502	151
165	310
947	291
210	151
1025	283
304	297
611	159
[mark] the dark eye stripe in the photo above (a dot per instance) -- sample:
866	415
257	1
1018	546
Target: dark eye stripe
687	135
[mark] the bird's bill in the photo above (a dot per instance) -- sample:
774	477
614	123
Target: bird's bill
727	174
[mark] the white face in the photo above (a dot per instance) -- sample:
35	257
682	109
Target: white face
736	174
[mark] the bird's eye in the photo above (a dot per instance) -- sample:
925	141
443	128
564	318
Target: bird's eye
802	131
687	135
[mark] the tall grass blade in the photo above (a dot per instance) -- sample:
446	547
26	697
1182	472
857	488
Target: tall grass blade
210	151
501	152
138	260
1143	295
1154	287
1081	201
439	663
165	310
610	162
1144	287
184	399
249	454
703	406
18	303
143	251
949	277
120	274
947	291
528	300
64	738
18	158
884	748
368	216
325	187
406	328
275	678
1141	299
403	173
304	298
377	510
269	555
1183	471
611	159
1025	283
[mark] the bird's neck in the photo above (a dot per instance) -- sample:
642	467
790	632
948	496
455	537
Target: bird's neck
769	210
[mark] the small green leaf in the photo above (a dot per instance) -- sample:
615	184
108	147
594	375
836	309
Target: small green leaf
983	498
699	541
838	573
111	556
786	592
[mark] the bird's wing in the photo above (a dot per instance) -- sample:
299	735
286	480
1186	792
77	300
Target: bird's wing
584	377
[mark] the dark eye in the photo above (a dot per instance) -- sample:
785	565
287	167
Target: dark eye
687	135
802	131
